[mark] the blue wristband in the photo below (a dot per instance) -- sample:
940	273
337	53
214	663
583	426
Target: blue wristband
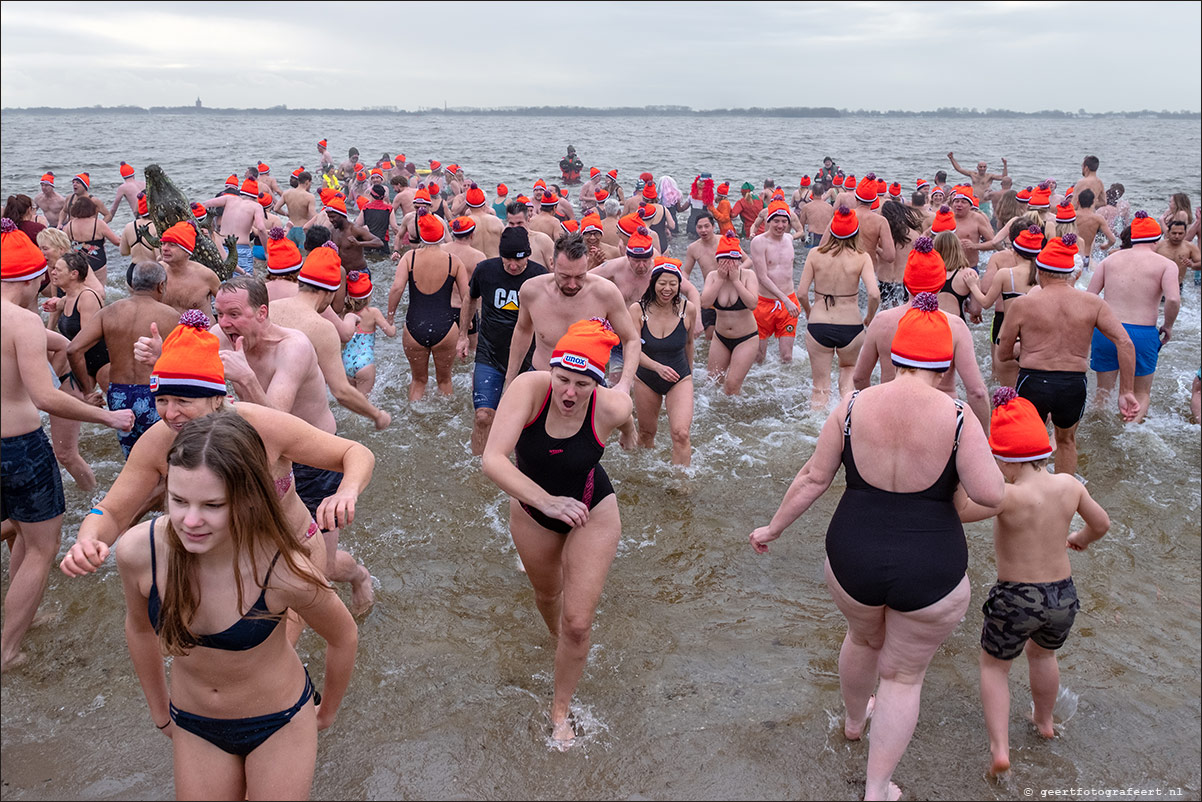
95	511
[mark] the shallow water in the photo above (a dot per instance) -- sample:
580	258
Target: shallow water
714	670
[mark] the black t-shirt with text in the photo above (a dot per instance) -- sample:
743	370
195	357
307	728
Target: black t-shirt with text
498	294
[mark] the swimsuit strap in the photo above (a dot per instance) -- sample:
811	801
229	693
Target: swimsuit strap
153	558
847	420
1012	280
959	424
450	264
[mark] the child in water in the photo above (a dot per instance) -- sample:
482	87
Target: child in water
1033	604
359	353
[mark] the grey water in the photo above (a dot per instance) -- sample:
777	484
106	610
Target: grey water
714	672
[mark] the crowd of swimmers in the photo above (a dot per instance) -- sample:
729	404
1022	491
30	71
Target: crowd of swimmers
581	323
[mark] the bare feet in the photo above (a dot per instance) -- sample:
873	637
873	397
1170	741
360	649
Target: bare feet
363	596
853	732
894	792
1045	729
563	734
999	765
18	660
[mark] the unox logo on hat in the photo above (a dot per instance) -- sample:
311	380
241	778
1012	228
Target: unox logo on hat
575	361
154	383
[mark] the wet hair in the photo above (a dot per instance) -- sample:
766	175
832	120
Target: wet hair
918	199
256	290
53	238
17	206
902	220
706	214
399	181
1114	193
1091	163
1086	198
230	447
145	276
571	246
317	236
650	294
1008	207
82	206
1176	223
1125	239
941	175
947	244
515	207
76	263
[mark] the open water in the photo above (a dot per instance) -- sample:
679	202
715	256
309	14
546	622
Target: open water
713	673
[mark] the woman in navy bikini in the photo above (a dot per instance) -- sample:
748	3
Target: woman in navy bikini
241	711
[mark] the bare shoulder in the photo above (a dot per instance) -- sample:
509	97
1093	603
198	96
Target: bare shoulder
615	406
133	548
20	317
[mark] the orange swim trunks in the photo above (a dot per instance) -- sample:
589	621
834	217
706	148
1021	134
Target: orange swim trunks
773	319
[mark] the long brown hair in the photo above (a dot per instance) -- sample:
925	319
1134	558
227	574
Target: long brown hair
230	447
949	247
836	245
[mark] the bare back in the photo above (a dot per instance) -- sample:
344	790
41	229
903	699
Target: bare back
1055	324
1133	282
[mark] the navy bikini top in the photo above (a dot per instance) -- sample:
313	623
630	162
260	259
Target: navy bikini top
247	633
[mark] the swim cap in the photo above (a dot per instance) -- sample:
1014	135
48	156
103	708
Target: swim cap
189	365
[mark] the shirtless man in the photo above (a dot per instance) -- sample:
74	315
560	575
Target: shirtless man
48	201
129	190
777	311
542	247
592	228
130	245
1055	322
875	237
190	285
81	185
402	195
545	221
119	325
815	217
631	273
323	157
1089	224
267	182
301	206
702	252
1089	180
488	225
549	304
972	228
242	214
32	490
923	274
351	239
347	169
1132	282
1176	247
982	180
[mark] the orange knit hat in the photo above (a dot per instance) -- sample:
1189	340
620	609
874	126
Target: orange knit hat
47	178
182	234
336	204
805	181
143	204
430	229
282	254
591	223
649	191
844	224
569	226
1023	196
83	178
629	224
475	197
325	193
1029	242
358	284
722	190
1041	198
20	259
778	208
322	268
462	226
1016	432
640	245
895	190
728	247
1057	255
648	210
502	190
421	198
126	170
549	199
189	365
1144	228
944	220
265	200
601	196
1065	213
263	168
232	181
924	337
250	188
585	348
925	270
198	210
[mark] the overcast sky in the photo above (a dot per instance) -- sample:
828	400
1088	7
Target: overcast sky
1017	55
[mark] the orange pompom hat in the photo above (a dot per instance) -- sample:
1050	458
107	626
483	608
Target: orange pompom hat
358	284
462	226
430	229
569	226
778	208
944	220
182	234
20	259
474	197
421	197
1041	198
198	210
925	270
232	181
591	223
550	199
263	168
1057	255
728	247
895	190
1023	196
866	191
805	181
1030	242
189	365
143	204
126	170
250	188
47	178
649	191
640	245
1065	213
1144	228
502	190
629	224
924	337
83	178
585	348
601	196
1016	432
844	224
282	254
322	268
336	204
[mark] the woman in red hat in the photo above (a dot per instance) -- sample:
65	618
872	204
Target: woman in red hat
207	585
896	553
733	292
563	514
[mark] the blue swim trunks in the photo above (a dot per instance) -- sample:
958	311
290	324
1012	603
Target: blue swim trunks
297	235
138	398
259	252
487	383
246	260
1104	358
32	490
